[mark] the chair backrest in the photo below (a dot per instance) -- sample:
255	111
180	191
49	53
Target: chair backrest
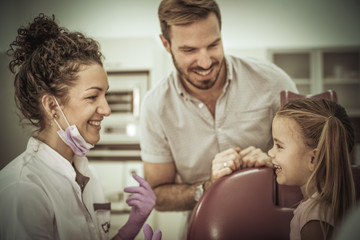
248	204
286	95
241	206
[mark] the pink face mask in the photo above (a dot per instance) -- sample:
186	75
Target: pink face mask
72	137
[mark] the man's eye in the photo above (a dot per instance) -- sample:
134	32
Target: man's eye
278	146
92	97
188	50
213	45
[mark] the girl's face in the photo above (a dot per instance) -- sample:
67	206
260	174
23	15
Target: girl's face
87	105
292	159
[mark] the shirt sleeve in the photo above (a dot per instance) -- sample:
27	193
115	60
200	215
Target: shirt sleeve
26	213
154	145
306	215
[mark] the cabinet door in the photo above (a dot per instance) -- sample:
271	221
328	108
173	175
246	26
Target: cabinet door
319	69
298	64
341	73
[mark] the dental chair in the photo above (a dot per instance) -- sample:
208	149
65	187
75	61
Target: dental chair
249	204
241	206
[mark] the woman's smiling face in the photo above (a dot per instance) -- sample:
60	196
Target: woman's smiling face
290	156
87	105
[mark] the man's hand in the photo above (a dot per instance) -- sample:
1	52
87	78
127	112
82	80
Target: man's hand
233	159
254	157
225	163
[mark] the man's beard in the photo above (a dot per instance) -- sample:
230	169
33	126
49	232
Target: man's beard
207	84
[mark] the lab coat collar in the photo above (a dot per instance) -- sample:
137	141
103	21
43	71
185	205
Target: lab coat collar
55	161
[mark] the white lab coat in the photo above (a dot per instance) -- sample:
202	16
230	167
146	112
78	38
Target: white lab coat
40	199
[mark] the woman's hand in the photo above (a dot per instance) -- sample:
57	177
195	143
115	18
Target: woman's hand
150	235
142	201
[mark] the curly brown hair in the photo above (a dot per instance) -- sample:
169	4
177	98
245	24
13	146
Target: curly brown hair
45	60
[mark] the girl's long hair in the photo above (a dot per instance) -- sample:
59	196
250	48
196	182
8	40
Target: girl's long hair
326	127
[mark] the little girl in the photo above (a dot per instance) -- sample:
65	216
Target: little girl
312	141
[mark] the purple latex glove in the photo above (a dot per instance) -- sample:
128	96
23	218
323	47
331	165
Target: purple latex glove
142	201
150	235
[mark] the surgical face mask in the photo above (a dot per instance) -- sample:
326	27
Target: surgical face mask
72	137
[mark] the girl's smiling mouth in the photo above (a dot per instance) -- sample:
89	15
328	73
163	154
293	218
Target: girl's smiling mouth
277	169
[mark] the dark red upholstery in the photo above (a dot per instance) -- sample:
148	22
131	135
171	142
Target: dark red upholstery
287	196
248	204
241	206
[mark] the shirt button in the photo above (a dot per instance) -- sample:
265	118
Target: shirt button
201	105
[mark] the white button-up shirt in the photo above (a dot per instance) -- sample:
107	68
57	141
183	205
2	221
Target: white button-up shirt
41	199
176	127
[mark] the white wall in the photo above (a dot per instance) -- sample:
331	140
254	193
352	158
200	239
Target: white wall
246	23
287	23
107	18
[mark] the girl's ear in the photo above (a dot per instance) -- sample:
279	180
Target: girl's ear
49	105
312	160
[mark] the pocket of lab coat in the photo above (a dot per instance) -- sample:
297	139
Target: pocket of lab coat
102	212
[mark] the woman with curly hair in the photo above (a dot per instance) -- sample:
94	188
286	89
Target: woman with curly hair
50	191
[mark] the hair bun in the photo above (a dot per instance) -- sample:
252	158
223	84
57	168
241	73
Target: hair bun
30	38
40	30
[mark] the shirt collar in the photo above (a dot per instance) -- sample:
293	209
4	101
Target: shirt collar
178	85
229	73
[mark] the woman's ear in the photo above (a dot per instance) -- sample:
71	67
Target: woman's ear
49	105
165	43
312	161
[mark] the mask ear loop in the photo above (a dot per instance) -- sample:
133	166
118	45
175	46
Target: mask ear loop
61	113
55	116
